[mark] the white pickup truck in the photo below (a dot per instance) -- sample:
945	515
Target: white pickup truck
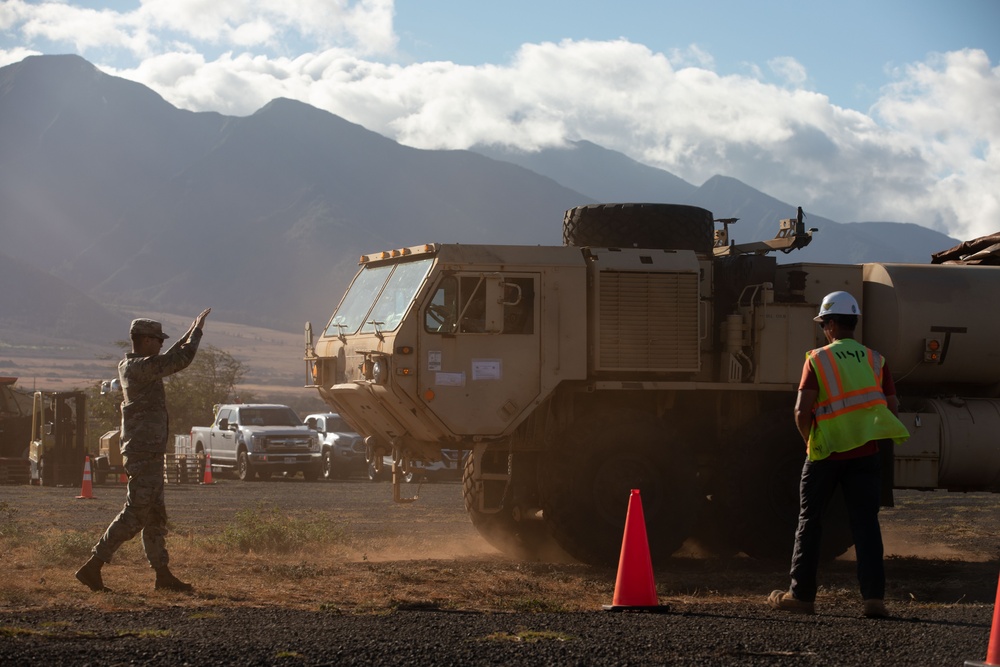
259	440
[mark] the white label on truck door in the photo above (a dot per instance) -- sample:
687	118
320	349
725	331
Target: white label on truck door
450	379
434	360
487	369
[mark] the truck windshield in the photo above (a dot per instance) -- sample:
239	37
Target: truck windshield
379	297
269	417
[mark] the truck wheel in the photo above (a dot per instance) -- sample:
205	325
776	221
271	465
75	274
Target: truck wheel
763	502
244	471
377	476
587	482
328	471
524	540
669	226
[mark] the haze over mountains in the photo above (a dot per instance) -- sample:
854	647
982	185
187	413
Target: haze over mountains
112	198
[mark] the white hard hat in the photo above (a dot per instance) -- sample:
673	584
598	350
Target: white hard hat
837	303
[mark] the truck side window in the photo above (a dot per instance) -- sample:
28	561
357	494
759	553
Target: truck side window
440	314
519	306
472	297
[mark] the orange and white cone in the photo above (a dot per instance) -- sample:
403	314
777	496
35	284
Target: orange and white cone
993	649
635	589
87	489
207	479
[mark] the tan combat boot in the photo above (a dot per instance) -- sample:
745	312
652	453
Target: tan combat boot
784	601
165	580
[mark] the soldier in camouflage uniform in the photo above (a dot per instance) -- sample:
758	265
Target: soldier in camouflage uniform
144	441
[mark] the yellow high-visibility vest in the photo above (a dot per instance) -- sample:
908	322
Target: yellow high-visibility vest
850	409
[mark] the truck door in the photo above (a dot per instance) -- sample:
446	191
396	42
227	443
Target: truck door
222	442
480	350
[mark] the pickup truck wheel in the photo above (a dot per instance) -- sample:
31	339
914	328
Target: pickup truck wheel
328	471
586	484
244	471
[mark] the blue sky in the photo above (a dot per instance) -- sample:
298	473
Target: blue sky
877	110
849	47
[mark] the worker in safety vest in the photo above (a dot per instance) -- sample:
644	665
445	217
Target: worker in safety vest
846	404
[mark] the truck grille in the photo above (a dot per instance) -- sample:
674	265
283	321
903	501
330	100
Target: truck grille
648	322
285	443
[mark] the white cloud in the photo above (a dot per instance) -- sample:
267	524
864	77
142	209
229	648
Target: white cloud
927	156
927	153
790	70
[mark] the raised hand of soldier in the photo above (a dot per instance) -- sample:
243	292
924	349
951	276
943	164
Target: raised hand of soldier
199	321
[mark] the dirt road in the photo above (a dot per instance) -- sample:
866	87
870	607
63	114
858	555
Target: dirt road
414	584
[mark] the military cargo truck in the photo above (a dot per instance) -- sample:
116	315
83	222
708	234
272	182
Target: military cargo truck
648	352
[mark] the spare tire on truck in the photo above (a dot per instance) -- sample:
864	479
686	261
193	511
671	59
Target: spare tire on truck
663	226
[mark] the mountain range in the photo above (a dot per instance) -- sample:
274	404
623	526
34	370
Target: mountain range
112	200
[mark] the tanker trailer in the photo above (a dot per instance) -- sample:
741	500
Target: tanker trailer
640	354
938	326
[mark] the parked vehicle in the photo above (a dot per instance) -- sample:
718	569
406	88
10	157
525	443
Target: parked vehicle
447	468
343	450
259	440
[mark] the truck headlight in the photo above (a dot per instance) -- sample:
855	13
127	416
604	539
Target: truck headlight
380	370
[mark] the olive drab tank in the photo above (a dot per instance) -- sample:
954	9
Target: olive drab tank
650	352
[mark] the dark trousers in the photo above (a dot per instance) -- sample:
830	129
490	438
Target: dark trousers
860	481
144	511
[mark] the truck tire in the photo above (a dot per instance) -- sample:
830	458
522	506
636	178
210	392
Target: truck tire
764	503
244	470
523	540
667	226
586	484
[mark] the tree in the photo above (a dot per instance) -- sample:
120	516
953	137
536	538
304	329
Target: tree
191	394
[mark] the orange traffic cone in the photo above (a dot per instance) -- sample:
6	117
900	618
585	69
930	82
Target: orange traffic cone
207	479
635	589
87	490
993	651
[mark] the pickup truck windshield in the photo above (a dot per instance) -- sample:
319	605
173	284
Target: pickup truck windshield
379	297
269	417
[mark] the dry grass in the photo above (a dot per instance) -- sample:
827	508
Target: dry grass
345	548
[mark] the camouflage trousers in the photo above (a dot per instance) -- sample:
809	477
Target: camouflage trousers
144	511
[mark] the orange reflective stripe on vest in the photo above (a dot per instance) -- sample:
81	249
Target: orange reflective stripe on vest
835	398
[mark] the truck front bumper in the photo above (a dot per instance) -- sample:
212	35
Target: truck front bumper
285	461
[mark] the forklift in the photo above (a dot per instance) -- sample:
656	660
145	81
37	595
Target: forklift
58	436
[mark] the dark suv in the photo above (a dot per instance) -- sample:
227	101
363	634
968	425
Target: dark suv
343	449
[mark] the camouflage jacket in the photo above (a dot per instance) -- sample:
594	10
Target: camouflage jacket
145	424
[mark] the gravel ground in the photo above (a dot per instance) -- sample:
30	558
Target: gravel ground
944	557
700	634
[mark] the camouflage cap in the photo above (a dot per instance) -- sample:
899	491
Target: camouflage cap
144	327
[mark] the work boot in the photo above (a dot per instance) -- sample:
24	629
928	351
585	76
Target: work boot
90	575
875	608
785	601
165	580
